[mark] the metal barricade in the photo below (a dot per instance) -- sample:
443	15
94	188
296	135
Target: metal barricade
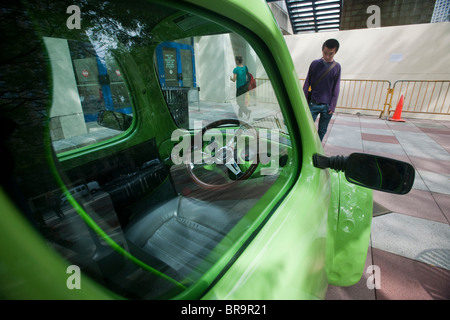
422	96
264	91
371	95
357	94
178	102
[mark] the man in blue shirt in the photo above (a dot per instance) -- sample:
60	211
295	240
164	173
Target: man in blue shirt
324	77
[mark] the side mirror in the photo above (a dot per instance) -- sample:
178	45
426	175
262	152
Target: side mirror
371	171
114	120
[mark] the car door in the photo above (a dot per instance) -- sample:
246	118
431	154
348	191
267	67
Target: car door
161	223
207	190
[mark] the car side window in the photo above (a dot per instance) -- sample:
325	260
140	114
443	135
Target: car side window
158	145
202	82
86	81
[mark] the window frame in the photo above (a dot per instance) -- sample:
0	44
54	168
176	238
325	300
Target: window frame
198	289
213	275
119	138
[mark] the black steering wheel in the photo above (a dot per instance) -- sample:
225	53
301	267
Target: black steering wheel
226	155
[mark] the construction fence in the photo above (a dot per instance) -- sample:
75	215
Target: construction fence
420	96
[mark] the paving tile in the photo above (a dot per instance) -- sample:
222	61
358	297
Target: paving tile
347	123
402	126
379	138
345	136
395	233
405	279
419	184
381	147
443	202
429	124
368	119
375	125
346	117
331	150
444	123
417	203
436	182
435	130
432	165
418	144
442	140
379	131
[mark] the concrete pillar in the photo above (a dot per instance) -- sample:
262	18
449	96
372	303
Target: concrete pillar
66	111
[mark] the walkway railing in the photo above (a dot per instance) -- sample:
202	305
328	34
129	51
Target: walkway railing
420	96
369	95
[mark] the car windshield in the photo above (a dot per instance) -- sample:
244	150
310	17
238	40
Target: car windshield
159	144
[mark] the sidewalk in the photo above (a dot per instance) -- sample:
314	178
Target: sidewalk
410	240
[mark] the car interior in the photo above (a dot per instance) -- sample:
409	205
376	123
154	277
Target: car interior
144	174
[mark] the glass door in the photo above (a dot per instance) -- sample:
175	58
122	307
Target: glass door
176	64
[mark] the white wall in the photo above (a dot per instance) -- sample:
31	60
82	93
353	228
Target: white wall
412	52
215	61
212	67
66	103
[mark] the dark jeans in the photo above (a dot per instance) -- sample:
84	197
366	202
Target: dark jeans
324	119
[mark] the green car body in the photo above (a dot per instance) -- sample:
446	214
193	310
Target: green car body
309	230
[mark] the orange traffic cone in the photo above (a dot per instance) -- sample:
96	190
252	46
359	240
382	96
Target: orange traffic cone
398	111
